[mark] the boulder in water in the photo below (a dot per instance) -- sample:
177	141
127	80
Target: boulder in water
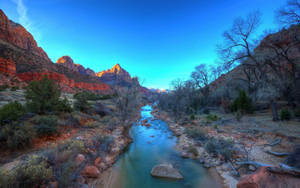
166	171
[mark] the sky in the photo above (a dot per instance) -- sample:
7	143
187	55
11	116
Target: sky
156	40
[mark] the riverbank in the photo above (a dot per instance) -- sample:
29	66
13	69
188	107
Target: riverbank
153	144
184	146
251	140
81	151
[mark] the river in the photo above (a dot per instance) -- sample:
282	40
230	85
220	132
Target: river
151	146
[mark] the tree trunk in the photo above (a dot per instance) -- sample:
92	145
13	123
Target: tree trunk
274	110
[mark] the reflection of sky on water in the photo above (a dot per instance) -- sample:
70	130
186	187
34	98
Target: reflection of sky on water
151	146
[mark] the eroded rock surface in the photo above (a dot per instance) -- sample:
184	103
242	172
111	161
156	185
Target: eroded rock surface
264	178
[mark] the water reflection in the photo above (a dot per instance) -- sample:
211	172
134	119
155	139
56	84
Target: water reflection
155	145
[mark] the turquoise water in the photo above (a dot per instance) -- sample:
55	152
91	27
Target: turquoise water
151	146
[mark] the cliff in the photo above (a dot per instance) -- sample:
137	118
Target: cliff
69	63
278	56
21	60
115	76
17	35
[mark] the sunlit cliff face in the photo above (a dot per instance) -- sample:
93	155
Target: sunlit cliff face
116	70
65	59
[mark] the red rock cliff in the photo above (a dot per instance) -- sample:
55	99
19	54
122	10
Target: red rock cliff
7	66
69	63
116	72
17	35
62	80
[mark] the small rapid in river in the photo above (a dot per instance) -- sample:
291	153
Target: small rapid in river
154	145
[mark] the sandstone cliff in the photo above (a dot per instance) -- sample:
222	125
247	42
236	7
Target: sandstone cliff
21	60
17	35
116	75
69	63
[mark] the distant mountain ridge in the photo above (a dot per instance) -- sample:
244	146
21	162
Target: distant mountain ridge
68	62
21	60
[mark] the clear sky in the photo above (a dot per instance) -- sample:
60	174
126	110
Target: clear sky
156	40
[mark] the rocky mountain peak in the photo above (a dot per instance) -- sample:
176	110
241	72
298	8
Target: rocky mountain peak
116	70
65	59
68	62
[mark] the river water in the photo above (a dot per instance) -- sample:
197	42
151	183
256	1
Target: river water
151	146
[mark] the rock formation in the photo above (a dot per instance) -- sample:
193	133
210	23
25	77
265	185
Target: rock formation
264	178
166	171
63	81
21	60
7	66
115	75
17	35
69	63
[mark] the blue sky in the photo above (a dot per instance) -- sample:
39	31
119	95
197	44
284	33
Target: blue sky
156	40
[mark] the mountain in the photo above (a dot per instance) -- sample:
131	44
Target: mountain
280	53
116	75
21	61
69	63
17	35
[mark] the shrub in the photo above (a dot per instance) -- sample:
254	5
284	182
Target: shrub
17	135
76	146
46	125
14	88
81	102
210	146
196	133
3	87
238	115
285	114
65	173
72	120
42	96
297	112
63	152
242	103
92	96
104	143
193	150
92	124
31	173
220	146
206	111
192	117
11	112
63	106
212	117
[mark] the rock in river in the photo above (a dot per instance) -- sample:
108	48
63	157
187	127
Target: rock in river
166	171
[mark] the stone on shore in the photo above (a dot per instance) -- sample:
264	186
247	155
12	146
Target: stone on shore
90	172
166	171
264	178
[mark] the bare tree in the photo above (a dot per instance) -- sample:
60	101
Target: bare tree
127	102
238	41
201	77
279	52
216	72
290	13
238	49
